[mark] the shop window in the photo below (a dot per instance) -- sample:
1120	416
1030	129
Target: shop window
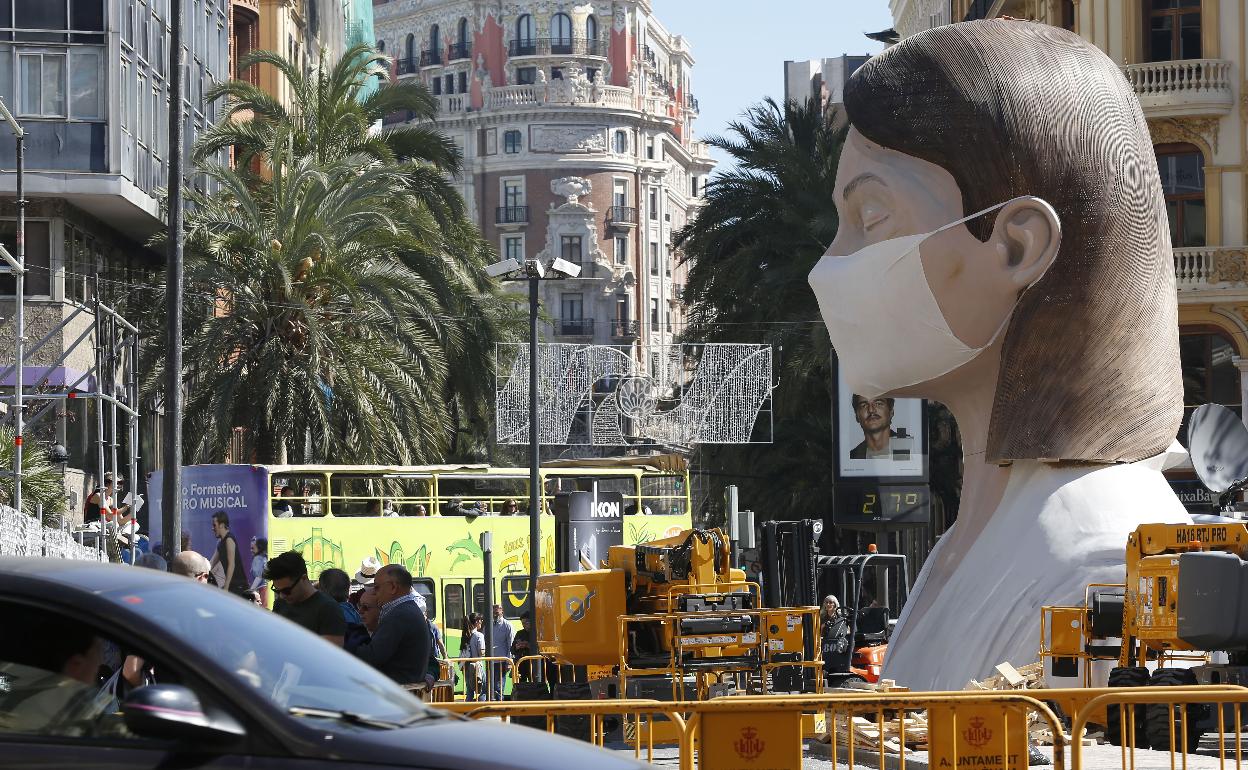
1173	30
1209	372
1182	170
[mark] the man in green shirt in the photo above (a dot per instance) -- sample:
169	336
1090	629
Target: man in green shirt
299	601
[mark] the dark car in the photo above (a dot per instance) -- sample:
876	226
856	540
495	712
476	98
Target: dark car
112	666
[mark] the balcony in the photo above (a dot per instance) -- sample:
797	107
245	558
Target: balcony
557	47
461	51
512	215
448	103
622	216
624	329
575	327
407	66
430	58
1211	270
1179	88
539	95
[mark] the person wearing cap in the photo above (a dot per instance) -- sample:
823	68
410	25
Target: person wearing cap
368	571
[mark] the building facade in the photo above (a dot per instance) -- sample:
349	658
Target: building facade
88	81
820	79
576	124
1185	59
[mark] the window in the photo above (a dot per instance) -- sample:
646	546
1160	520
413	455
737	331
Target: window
478	600
38	251
513	248
436	82
621	250
449	86
41	84
435	43
1173	30
561	33
556	73
1182	169
424	587
654	258
693	187
409	48
1209	372
515	591
591	27
654	314
1068	15
570	248
591	73
453	606
462	33
513	193
621	142
511	141
654	204
463	82
650	147
619	194
489	141
572	306
381	46
526	76
621	309
523	44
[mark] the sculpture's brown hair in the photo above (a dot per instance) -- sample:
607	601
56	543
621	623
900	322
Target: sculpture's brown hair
1090	365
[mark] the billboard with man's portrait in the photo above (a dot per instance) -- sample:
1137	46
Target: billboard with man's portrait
879	437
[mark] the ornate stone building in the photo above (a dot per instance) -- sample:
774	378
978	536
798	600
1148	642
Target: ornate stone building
576	124
1186	60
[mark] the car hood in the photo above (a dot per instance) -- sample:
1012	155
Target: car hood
454	744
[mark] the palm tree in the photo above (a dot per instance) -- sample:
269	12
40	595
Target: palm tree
328	116
764	225
43	486
346	306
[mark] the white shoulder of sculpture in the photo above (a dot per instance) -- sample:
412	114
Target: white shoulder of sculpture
1056	530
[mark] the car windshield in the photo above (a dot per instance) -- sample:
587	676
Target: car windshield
280	661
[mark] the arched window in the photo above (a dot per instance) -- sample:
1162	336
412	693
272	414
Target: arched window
1182	169
409	51
523	45
435	46
591	28
561	33
1206	354
463	30
381	46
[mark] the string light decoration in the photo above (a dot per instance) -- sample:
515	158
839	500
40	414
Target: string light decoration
599	395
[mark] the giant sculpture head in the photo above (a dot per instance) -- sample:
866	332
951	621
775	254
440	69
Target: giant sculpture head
1070	281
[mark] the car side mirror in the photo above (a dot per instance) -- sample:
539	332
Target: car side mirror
173	712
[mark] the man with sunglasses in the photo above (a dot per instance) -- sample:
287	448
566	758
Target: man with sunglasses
299	601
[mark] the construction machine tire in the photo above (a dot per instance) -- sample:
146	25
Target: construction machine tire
530	691
575	726
1133	676
1165	717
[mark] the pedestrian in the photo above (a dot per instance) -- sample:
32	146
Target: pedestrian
298	601
370	610
503	634
228	556
522	646
472	645
400	646
117	523
337	584
509	508
421	510
835	645
259	559
191	564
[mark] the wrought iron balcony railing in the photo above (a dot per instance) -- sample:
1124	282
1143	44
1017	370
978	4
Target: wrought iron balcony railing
512	215
576	327
428	58
461	50
625	329
622	215
555	46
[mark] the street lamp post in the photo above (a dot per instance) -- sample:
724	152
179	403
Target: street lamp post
18	267
534	271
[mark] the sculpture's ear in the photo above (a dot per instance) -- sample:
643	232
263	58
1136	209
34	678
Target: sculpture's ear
1026	237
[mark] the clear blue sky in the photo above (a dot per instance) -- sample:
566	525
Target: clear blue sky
740	46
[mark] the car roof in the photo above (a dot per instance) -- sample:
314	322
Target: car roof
89	576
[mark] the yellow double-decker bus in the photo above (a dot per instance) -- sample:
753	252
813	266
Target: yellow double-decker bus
428	518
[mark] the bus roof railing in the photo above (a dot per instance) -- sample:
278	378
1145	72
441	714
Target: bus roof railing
663	463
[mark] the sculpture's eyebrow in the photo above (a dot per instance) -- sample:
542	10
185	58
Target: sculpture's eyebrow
857	181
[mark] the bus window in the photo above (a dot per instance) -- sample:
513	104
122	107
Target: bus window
515	592
478	603
453	606
625	485
424	587
477	493
297	496
378	494
663	495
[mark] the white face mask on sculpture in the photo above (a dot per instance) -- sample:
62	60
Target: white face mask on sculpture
884	322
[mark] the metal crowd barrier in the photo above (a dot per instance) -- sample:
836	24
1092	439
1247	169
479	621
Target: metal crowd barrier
975	730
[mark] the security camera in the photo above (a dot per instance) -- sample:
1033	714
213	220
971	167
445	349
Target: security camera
570	269
499	269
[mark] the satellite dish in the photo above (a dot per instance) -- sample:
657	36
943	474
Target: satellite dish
1218	443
